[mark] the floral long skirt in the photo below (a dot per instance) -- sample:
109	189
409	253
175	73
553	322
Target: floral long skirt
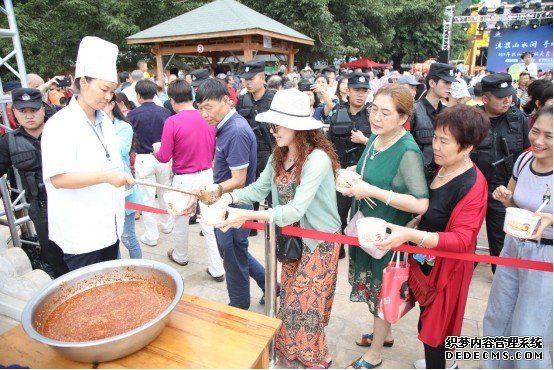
307	294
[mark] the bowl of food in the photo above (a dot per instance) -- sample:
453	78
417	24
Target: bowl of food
176	202
520	223
371	230
212	214
345	178
104	311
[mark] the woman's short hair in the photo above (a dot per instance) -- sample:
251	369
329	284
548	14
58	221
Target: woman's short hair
401	96
180	91
468	125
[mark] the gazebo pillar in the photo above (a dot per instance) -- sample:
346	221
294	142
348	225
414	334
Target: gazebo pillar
290	58
215	58
159	62
247	48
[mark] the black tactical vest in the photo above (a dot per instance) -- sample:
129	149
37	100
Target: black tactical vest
423	130
496	155
27	159
248	108
341	123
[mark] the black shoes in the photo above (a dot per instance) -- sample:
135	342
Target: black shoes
262	300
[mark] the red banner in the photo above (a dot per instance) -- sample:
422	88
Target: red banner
353	241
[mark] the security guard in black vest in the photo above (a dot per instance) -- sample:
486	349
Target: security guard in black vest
438	82
496	155
349	131
20	148
257	100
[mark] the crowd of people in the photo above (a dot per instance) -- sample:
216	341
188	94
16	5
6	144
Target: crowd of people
437	154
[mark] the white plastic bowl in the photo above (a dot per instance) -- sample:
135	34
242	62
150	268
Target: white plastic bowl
370	230
520	223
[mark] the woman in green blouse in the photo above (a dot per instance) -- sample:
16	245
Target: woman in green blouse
393	177
300	176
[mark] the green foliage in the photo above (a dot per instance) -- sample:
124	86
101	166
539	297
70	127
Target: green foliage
50	31
380	29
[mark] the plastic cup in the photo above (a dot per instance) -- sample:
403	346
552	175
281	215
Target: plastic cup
371	230
520	223
345	177
176	202
212	214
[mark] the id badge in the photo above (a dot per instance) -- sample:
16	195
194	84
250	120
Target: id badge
129	189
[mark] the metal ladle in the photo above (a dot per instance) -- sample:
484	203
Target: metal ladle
208	197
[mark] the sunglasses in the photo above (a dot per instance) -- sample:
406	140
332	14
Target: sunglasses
273	127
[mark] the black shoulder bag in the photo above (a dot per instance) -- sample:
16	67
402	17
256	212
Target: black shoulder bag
289	248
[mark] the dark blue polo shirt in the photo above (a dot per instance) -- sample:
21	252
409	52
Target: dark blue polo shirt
148	123
235	149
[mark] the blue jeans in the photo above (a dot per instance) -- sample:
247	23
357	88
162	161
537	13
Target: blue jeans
129	237
520	302
239	265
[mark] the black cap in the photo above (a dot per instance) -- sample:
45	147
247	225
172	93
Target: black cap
329	68
252	68
11	85
26	98
498	84
358	80
442	71
198	76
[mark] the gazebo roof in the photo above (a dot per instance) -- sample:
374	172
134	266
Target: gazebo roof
219	18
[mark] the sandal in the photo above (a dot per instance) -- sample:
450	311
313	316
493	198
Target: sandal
219	279
367	339
322	365
363	364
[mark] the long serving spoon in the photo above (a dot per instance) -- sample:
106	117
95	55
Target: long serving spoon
206	197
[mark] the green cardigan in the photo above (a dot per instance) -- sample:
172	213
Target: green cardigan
315	200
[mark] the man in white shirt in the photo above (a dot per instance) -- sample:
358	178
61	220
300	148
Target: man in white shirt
528	64
130	91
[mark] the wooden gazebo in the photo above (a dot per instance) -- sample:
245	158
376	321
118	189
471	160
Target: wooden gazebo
221	29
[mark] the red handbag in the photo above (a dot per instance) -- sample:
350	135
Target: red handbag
417	281
394	300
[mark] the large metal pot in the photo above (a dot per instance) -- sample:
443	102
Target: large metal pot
44	302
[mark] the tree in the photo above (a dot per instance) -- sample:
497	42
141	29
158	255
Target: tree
380	29
50	32
418	30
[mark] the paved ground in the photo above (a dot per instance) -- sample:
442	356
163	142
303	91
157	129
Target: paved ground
348	319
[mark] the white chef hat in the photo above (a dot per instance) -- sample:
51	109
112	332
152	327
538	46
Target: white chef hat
97	59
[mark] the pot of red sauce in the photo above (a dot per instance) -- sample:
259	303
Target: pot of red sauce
104	311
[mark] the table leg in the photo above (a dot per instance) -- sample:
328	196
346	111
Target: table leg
263	360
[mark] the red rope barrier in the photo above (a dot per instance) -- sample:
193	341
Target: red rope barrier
353	241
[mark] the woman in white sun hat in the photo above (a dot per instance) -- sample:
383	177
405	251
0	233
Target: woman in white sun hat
300	176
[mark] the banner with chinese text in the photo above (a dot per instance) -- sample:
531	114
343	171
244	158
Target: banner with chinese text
507	45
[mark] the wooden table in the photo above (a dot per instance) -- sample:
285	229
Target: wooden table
199	334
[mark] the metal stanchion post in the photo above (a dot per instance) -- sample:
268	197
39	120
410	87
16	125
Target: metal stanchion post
271	282
9	213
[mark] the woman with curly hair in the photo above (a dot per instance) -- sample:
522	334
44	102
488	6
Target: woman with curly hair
300	175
